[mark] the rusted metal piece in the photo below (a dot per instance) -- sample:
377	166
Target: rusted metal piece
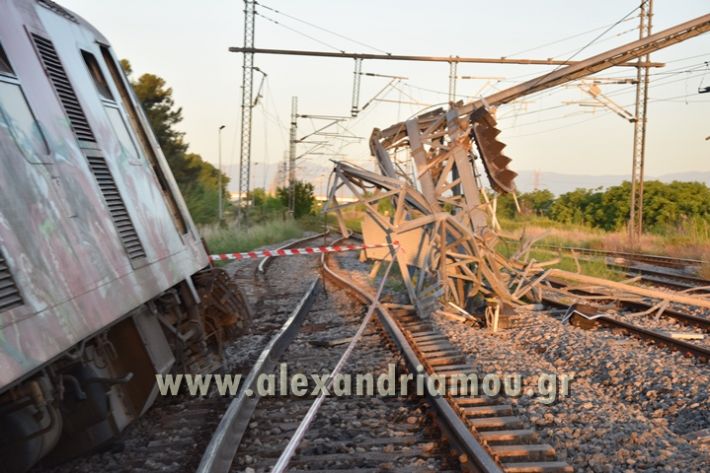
589	66
222	301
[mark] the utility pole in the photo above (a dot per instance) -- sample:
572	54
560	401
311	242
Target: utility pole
247	95
220	205
292	156
453	73
357	76
639	151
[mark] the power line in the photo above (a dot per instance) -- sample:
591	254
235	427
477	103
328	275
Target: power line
594	40
322	29
600	114
276	22
617	35
654	84
562	40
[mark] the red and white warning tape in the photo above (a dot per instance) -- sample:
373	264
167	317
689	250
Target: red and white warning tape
312	250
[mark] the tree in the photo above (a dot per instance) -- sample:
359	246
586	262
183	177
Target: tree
664	205
305	200
257	197
197	179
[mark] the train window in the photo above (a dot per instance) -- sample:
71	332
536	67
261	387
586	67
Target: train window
143	139
18	118
119	126
4	63
97	75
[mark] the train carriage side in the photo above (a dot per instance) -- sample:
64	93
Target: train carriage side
97	249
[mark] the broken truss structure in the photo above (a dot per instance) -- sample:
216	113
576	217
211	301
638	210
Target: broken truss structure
439	215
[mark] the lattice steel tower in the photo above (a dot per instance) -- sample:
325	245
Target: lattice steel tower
636	209
247	100
292	142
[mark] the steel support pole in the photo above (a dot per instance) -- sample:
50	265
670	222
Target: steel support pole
247	101
453	76
292	156
639	143
220	204
357	77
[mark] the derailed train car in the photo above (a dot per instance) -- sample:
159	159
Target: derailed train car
104	280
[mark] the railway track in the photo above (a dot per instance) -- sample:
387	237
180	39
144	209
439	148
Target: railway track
484	432
665	277
656	260
648	325
654	270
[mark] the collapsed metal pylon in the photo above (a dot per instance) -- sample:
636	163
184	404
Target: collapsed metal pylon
441	219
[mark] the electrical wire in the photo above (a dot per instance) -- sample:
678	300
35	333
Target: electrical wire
334	33
276	22
597	38
600	113
562	40
617	35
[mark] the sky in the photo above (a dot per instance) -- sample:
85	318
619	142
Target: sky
186	42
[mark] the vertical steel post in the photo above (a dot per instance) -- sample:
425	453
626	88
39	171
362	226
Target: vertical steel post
453	76
639	144
357	77
292	156
220	205
247	100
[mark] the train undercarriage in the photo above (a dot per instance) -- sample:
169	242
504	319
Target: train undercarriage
84	398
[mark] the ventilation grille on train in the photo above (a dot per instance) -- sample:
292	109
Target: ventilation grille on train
9	293
64	89
116	207
49	4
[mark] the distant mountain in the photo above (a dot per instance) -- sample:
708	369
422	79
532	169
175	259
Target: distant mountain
558	183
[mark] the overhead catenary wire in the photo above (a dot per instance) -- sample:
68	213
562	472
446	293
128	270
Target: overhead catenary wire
334	33
294	30
597	38
562	40
600	114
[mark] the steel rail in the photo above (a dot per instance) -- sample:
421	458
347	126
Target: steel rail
297	438
661	272
266	262
661	266
456	430
673	281
684	317
613	322
659	260
690	319
223	446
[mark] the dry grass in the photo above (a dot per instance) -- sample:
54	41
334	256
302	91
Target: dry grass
232	238
684	243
